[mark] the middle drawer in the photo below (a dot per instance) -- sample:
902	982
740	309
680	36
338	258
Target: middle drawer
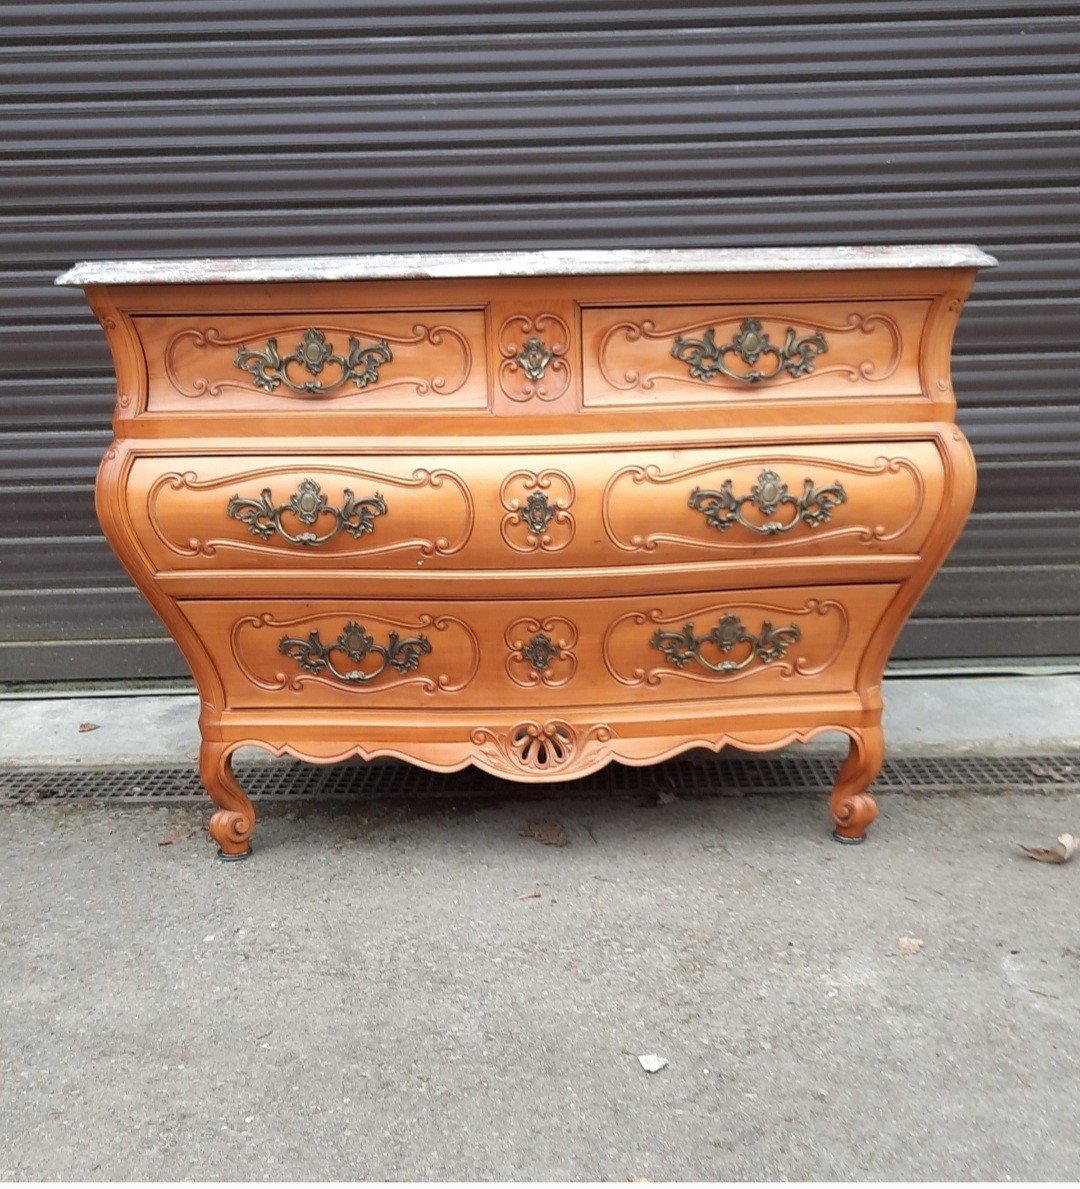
503	512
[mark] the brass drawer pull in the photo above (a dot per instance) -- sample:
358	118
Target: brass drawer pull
723	508
355	642
263	516
769	645
707	360
313	353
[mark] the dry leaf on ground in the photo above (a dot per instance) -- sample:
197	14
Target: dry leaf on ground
176	835
910	945
547	833
1067	846
1046	770
89	726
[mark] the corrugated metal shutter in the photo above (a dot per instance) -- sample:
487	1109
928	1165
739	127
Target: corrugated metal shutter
135	129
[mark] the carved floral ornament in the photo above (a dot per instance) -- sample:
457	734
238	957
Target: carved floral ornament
551	748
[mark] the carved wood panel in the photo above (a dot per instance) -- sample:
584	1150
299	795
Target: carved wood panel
252	513
281	362
751	352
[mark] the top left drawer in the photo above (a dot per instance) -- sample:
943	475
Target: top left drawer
410	359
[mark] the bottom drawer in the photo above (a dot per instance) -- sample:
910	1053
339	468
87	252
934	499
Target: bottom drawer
459	654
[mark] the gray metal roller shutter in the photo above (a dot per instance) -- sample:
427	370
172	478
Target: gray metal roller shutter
143	128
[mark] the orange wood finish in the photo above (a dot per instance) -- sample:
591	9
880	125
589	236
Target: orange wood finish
544	539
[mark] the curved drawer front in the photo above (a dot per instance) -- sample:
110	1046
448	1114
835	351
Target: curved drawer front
581	510
265	513
698	505
311	361
768	351
584	652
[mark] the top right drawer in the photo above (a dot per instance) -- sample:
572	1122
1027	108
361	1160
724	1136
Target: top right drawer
709	354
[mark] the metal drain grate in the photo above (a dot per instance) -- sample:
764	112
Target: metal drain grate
710	776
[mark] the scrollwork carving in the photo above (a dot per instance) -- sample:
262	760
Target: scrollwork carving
538	749
531	349
355	517
210	339
682	646
398	658
535	512
630	379
719	502
541	651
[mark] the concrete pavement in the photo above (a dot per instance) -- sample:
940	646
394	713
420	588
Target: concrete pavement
379	993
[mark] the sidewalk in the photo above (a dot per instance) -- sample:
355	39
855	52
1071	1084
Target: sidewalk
923	716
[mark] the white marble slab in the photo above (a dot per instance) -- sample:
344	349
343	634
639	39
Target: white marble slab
568	262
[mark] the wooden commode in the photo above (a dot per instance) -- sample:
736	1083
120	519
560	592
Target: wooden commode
535	511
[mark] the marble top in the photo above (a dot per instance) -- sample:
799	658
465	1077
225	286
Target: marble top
561	262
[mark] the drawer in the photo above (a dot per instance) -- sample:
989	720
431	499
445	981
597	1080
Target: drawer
352	653
766	351
285	362
432	512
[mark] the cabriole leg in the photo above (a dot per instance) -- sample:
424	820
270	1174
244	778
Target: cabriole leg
231	827
851	806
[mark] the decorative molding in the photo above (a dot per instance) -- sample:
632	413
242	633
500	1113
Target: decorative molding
210	338
531	514
733	670
652	474
530	348
645	381
554	747
541	651
426	546
356	643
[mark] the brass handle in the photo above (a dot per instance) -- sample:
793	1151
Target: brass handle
313	353
769	645
707	360
263	516
534	357
722	508
355	643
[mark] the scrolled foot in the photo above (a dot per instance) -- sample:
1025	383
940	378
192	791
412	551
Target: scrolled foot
853	809
232	832
232	825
